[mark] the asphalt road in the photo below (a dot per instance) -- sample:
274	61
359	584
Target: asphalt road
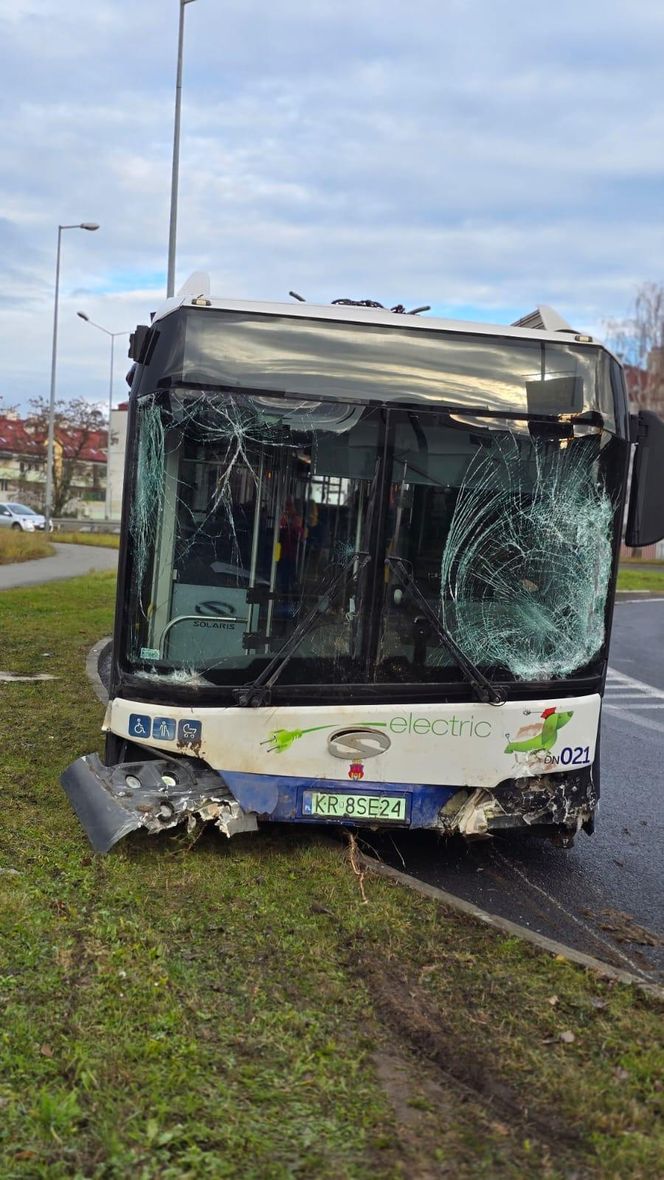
69	561
595	895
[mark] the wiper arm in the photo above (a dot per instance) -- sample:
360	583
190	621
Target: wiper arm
258	692
484	689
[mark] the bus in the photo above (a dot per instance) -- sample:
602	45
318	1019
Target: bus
367	571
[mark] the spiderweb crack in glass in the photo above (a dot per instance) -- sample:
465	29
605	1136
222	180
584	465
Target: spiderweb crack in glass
211	466
245	503
525	568
239	428
147	506
189	676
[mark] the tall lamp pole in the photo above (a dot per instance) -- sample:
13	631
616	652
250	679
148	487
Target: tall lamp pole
48	510
172	235
83	316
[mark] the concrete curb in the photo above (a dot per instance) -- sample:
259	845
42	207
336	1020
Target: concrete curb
92	668
506	927
637	595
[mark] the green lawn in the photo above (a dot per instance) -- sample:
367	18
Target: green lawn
19	546
192	1008
104	540
641	577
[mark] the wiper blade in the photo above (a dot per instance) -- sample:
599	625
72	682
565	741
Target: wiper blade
258	692
484	689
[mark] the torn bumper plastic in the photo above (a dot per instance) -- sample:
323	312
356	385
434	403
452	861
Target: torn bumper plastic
112	801
561	803
157	794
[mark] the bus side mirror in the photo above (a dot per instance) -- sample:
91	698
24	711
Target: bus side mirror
141	344
645	518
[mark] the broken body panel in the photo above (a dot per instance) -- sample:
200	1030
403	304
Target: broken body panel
366	574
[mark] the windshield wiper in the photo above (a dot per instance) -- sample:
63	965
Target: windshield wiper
259	691
484	689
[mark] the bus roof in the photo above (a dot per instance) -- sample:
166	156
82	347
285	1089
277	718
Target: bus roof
542	324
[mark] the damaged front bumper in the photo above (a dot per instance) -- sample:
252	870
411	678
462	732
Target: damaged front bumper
559	805
112	801
158	794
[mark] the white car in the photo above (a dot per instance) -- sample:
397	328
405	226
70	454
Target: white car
19	516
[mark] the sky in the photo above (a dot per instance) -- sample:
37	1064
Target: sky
482	156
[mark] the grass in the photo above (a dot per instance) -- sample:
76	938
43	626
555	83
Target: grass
16	545
646	577
189	1008
104	540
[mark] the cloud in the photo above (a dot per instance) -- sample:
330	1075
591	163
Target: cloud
435	152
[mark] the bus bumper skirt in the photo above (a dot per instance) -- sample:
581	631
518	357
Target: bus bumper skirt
158	794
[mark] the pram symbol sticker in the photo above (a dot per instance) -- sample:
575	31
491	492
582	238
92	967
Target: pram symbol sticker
190	732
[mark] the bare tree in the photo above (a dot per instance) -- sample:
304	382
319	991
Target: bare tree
639	342
77	427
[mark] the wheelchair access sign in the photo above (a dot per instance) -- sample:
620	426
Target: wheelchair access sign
140	725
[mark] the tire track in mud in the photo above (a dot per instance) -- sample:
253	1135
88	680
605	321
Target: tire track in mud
409	1016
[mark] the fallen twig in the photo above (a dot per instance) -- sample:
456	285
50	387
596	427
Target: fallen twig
355	865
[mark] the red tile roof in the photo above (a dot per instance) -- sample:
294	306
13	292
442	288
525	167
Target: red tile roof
17	437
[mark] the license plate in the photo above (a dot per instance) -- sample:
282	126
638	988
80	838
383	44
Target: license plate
385	808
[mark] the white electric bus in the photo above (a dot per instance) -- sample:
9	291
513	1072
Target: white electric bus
367	571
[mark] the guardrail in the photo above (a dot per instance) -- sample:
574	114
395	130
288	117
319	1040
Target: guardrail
66	525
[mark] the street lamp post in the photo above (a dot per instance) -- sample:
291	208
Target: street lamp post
48	510
112	335
170	285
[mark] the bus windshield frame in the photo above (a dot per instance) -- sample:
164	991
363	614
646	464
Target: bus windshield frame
246	502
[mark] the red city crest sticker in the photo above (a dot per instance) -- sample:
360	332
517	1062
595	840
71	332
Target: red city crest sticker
356	770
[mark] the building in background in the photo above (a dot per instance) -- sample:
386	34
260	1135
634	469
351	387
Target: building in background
79	462
22	463
118	446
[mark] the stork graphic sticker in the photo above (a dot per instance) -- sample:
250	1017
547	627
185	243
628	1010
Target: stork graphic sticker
544	738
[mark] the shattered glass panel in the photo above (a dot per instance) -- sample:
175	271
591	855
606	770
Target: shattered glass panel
526	564
243	511
147	505
259	518
248	507
509	539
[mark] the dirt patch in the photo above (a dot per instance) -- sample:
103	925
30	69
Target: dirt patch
395	1075
412	1098
439	1127
464	1071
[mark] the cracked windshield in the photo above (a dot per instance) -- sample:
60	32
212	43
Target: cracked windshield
260	520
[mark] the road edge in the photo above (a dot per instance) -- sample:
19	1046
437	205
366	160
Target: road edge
637	595
505	926
92	668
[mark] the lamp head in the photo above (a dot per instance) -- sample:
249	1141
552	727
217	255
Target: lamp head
83	316
91	225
